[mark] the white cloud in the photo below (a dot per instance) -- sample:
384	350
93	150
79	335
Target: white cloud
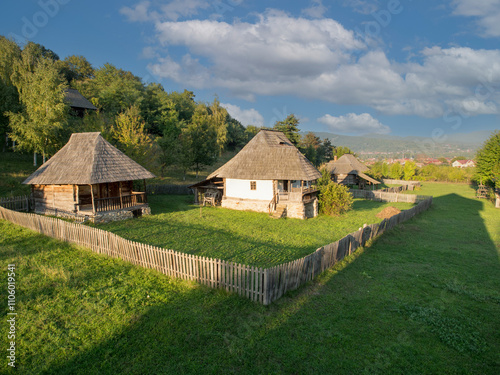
245	116
354	124
321	60
487	12
362	6
156	11
138	13
316	10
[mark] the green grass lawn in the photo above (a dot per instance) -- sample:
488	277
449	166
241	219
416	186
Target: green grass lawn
14	169
245	237
423	299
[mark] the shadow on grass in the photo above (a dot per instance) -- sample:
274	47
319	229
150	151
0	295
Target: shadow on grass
406	305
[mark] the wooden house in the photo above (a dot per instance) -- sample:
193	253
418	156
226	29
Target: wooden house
268	175
78	103
348	170
89	177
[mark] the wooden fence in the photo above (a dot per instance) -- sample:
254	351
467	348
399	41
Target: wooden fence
400	182
258	284
169	189
19	203
383	196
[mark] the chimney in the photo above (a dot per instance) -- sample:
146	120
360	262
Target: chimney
335	158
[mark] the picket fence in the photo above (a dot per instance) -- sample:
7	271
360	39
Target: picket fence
384	196
258	284
19	203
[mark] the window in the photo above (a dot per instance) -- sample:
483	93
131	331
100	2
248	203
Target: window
253	185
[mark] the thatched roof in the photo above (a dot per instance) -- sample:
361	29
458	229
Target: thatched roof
77	100
346	164
88	159
268	156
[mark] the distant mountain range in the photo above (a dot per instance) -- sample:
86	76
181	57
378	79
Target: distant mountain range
373	145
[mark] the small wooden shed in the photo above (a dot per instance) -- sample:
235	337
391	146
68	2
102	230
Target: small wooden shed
348	170
89	177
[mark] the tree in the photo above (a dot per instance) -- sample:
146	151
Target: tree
309	145
76	68
198	142
409	170
131	138
488	164
218	116
42	92
10	54
342	150
289	126
396	171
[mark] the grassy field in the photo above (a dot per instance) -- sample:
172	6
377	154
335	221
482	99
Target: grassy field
14	169
423	299
245	237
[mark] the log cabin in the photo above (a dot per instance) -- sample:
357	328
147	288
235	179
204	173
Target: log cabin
348	170
89	177
268	175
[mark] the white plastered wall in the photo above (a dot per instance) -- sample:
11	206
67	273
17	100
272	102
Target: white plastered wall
241	189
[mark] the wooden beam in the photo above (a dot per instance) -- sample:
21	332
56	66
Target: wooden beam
92	195
145	193
120	193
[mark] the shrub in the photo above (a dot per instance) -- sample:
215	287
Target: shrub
335	199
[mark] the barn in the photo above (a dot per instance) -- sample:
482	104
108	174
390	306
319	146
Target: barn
89	177
268	175
348	170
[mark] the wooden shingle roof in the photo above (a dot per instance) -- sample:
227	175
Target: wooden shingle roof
77	100
268	156
88	158
346	164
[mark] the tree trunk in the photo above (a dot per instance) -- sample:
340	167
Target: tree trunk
497	194
34	159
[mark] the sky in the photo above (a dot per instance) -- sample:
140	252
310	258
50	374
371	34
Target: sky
352	67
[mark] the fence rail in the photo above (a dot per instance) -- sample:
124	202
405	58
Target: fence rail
169	189
19	203
383	196
258	284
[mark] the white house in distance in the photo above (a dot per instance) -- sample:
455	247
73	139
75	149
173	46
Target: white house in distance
463	163
268	175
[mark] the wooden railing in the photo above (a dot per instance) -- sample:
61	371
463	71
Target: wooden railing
274	202
116	203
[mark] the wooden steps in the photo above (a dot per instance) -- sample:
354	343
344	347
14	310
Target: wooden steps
280	211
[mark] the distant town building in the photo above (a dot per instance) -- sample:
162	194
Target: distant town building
463	163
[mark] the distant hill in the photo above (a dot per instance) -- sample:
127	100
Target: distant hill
464	144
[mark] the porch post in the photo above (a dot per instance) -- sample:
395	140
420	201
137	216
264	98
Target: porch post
92	195
145	193
120	193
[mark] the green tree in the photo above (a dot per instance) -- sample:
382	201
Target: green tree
396	171
218	117
131	137
289	126
342	150
409	170
488	162
75	68
44	113
10	54
198	141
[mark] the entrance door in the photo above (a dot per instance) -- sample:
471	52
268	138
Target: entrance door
283	186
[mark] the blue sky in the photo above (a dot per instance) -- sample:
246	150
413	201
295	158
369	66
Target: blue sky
397	67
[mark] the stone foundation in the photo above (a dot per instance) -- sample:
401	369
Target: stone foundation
100	217
296	210
245	204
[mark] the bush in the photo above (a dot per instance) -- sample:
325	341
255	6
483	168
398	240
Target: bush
335	199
